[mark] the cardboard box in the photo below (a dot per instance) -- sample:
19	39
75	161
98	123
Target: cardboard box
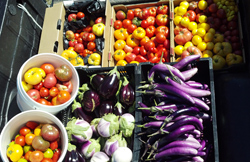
51	40
115	8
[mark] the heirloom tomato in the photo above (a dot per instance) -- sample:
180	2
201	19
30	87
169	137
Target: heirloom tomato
132	41
162	20
144	24
91	46
72	17
191	50
152	11
144	40
119	44
160	37
121	63
131	28
36	156
150	31
34	94
162	29
121	33
151	21
190	14
63	73
182	35
139	33
34	75
15	152
137	12
48	68
162	9
119	55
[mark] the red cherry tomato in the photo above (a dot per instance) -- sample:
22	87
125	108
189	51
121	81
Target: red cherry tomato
118	24
24	130
43	101
80	15
63	96
20	140
44	92
126	23
48	68
31	124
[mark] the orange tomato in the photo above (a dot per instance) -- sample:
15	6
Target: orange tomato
29	138
63	96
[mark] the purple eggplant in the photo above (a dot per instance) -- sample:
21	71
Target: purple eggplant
96	80
73	154
179	143
91	100
187	74
106	106
118	109
110	84
127	93
79	112
185	61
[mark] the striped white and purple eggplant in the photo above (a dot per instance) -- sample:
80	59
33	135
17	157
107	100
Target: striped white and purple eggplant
99	157
113	143
127	124
90	147
108	125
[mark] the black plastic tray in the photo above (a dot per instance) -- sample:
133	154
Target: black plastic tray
204	75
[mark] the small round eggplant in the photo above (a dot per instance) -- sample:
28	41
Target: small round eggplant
127	95
90	100
96	80
106	106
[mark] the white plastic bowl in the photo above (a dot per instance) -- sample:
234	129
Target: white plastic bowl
24	102
12	128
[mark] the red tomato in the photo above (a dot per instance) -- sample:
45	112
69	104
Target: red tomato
43	101
130	14
91	46
53	91
77	35
63	96
27	155
44	92
72	17
118	24
160	37
56	155
72	43
162	9
34	94
130	57
150	31
151	21
80	15
38	86
131	28
191	15
48	68
87	29
137	12
162	29
143	51
31	124
149	45
136	50
24	130
36	156
91	37
182	35
191	50
54	145
20	140
152	11
162	20
144	40
144	24
140	58
80	40
126	23
47	160
50	81
154	59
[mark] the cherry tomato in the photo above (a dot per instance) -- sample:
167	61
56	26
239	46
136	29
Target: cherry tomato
57	154
130	14
87	29
24	130
54	101
36	156
27	155
126	23
31	124
44	92
48	68
29	138
77	35
53	91
63	96
20	140
48	153
118	24
54	145
39	85
43	101
91	46
80	15
144	24
47	160
160	37
136	50
131	28
91	37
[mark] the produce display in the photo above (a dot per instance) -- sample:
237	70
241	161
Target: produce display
83	35
102	116
176	112
48	85
35	142
209	28
141	35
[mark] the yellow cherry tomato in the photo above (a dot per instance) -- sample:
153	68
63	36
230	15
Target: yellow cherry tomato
119	55
205	26
121	63
194	31
203	19
201	32
15	152
134	62
185	21
207	53
211	30
178	49
210	45
48	153
202	46
184	4
177	20
196	40
181	10
208	37
192	25
188	44
119	44
202	4
175	9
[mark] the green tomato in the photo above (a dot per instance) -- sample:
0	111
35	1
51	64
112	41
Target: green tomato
22	160
48	153
27	148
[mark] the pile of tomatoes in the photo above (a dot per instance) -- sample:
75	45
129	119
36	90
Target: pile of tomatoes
142	35
48	85
35	142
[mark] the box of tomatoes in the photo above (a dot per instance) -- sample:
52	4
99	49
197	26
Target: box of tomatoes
141	33
210	28
81	26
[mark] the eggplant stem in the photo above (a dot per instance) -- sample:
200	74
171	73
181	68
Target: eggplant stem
160	131
160	62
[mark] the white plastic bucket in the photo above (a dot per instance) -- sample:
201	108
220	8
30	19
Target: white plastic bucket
11	129
24	102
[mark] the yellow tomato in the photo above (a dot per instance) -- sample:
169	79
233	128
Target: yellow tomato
208	37
134	62
188	44
211	30
202	4
178	49
184	4
202	46
119	44
194	31
201	32
177	20
207	53
119	55
196	40
185	21
192	25
205	26
181	10
210	45
121	63
203	19
175	9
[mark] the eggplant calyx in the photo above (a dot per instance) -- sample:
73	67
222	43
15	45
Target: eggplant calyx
125	82
114	71
75	105
71	147
84	87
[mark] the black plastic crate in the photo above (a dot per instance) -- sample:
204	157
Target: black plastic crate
130	72
204	75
